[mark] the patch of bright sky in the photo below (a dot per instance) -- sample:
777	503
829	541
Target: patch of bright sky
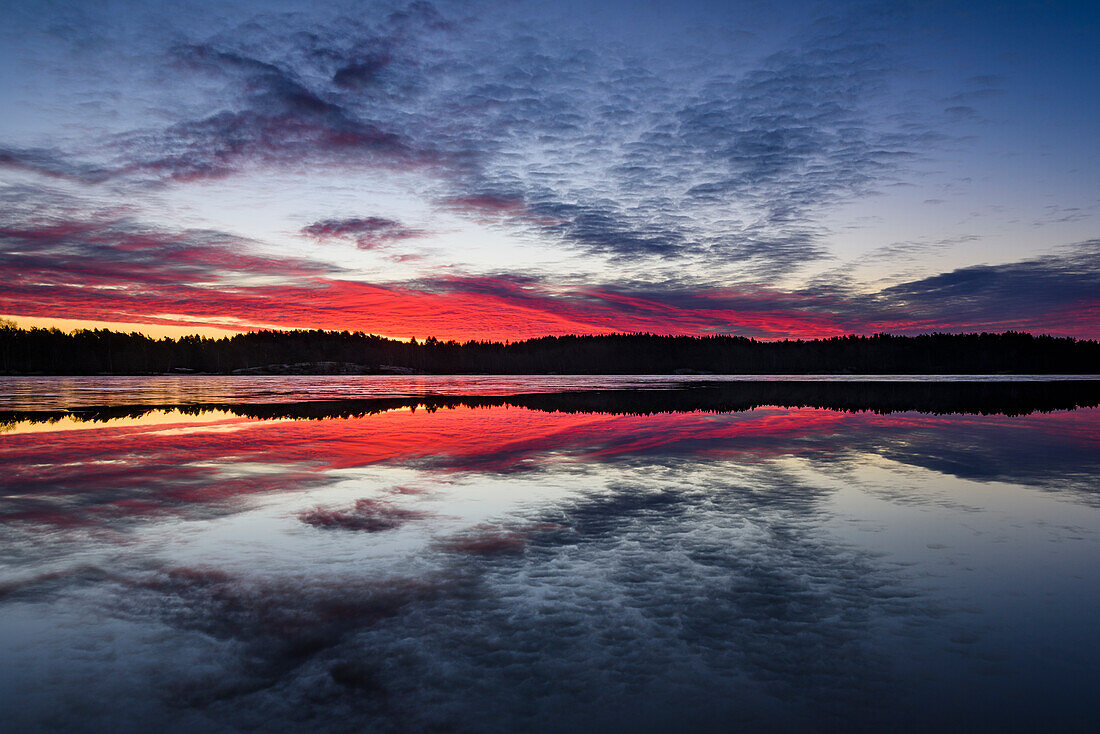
1017	90
154	330
272	208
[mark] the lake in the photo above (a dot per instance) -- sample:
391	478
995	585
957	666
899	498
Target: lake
549	553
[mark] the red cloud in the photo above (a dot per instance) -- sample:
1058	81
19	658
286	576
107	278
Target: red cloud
506	312
367	232
119	271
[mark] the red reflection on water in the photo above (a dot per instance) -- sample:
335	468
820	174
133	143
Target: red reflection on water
106	473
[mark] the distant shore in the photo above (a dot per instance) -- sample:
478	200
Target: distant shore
103	352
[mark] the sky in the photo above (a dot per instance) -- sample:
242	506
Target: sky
506	170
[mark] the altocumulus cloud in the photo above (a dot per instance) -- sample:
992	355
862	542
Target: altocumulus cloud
707	171
589	146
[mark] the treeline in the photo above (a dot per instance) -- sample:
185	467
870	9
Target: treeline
90	352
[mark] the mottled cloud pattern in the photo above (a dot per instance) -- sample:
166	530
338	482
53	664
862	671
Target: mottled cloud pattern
692	190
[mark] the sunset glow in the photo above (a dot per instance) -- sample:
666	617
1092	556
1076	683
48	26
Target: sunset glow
508	170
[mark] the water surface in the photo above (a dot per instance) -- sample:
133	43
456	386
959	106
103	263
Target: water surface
38	393
519	558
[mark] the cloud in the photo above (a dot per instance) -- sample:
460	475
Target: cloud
633	166
52	164
361	72
717	170
57	256
282	121
101	253
108	267
1055	292
582	144
367	515
368	233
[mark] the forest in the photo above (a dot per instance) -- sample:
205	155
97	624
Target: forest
39	351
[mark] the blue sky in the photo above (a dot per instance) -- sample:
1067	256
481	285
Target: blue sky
505	170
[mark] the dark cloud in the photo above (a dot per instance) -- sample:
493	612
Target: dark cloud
278	120
1059	288
367	232
361	72
489	204
589	145
52	164
99	253
765	149
367	515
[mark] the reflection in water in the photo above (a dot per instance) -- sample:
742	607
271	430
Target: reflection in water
66	393
496	564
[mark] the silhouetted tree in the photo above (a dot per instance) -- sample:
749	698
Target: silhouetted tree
100	351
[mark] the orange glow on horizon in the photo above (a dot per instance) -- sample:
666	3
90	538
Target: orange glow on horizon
481	309
155	331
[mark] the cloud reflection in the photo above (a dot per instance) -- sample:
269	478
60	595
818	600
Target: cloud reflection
109	477
687	573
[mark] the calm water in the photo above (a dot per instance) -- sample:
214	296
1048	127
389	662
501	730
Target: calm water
41	393
633	560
